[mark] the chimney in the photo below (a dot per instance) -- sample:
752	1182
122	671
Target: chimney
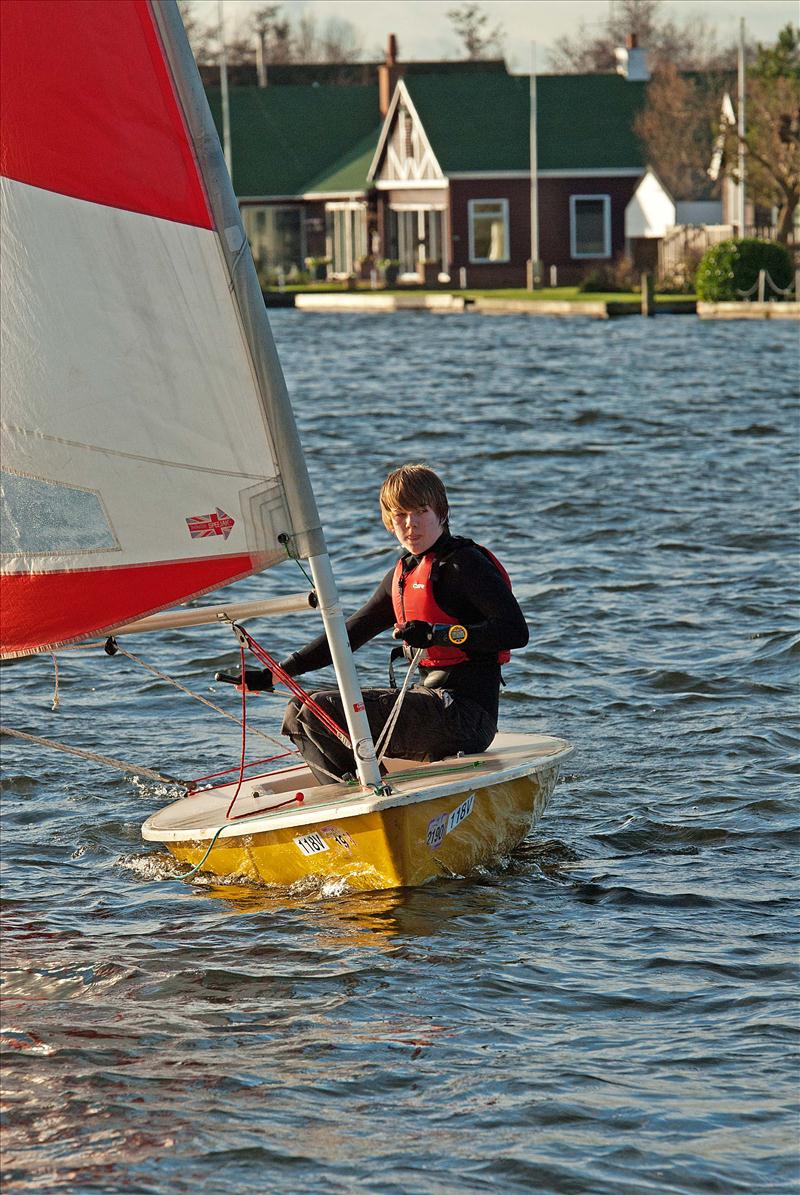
632	61
388	74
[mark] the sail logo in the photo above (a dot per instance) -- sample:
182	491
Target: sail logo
217	523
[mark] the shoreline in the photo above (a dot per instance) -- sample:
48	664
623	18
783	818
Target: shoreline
447	302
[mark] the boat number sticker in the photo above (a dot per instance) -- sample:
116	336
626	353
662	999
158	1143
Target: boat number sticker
439	827
339	836
312	844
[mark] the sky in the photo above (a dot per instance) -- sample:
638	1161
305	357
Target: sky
424	32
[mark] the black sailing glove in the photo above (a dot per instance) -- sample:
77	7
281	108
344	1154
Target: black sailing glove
257	680
425	634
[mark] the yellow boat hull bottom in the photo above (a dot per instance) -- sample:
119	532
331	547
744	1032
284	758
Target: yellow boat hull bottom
402	846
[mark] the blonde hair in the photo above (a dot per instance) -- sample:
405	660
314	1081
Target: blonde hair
410	488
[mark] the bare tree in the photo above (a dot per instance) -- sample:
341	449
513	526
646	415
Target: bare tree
772	137
677	128
471	25
682	116
340	41
692	45
273	32
335	41
202	40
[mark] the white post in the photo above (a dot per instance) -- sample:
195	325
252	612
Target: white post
223	83
762	286
554	275
534	167
462	277
797	286
742	128
346	676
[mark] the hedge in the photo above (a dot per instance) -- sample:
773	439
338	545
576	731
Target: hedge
733	266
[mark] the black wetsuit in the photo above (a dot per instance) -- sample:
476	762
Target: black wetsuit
453	709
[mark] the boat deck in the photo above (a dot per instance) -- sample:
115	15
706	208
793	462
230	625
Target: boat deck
269	802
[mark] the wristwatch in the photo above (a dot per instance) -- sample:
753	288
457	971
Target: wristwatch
458	635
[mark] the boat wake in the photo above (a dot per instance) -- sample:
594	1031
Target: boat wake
157	867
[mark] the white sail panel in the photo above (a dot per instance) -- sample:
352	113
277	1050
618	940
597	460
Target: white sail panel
150	452
116	384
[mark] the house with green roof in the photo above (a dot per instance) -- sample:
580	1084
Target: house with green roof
300	155
301	149
452	170
431	166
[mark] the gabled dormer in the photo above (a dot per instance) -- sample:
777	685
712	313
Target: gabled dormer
404	154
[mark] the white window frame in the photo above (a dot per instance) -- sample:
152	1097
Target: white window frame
574	200
492	261
351	249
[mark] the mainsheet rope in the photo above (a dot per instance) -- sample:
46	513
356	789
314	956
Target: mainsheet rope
108	760
170	680
276	669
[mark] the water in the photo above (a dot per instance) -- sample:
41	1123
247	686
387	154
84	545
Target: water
609	1011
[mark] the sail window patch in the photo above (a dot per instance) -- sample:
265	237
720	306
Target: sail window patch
44	517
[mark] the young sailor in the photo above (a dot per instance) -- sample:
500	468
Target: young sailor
446	595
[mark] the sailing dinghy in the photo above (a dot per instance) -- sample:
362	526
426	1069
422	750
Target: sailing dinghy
151	454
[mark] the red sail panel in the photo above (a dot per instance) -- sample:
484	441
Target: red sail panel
89	110
42	611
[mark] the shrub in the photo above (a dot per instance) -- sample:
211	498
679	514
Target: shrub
599	279
611	277
732	266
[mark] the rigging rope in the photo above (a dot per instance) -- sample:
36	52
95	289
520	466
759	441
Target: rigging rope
218	709
56	701
108	760
382	745
294	688
285	540
244	735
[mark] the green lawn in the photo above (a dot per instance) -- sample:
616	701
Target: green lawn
569	294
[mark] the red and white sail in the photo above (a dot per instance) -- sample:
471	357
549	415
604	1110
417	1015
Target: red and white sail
139	466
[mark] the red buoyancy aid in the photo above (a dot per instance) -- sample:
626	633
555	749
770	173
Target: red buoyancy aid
412	598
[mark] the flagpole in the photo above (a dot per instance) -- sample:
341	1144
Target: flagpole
223	83
534	167
741	130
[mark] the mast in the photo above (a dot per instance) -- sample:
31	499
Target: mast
309	540
742	130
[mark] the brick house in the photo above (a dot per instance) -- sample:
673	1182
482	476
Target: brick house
301	149
453	176
430	165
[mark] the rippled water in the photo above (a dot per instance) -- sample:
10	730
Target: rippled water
611	1010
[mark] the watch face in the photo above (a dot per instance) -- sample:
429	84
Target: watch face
457	635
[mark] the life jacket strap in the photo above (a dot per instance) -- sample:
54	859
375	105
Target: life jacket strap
396	653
